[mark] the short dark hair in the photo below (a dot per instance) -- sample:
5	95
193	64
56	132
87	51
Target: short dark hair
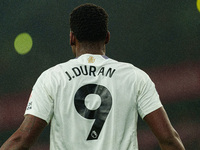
89	22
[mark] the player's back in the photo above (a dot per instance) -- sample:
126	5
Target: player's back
95	104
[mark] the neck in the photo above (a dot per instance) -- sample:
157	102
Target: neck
97	48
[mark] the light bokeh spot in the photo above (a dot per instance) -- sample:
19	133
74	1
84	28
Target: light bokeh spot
23	43
198	5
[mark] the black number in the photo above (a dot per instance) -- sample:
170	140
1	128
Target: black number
100	114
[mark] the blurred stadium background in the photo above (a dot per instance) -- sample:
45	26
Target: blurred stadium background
160	37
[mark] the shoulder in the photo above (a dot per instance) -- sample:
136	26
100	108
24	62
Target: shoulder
57	69
132	68
121	64
132	71
142	77
52	73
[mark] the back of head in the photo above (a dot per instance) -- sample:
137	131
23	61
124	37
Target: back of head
89	23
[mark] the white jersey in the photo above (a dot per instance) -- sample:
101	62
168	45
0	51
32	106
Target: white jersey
93	103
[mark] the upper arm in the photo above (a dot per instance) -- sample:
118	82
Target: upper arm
148	99
32	126
167	136
160	125
41	101
26	134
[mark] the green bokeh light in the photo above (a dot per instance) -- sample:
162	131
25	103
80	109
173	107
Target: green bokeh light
23	43
198	5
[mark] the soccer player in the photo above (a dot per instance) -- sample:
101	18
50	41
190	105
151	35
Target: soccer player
93	101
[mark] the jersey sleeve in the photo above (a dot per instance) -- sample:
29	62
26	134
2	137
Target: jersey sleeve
148	99
40	103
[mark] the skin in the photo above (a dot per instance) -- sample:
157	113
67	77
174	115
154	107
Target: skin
26	134
166	135
80	48
32	126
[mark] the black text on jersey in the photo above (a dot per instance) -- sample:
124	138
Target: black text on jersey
90	71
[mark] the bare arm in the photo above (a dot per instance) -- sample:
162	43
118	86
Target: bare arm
26	134
160	125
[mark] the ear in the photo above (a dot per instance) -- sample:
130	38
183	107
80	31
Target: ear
107	37
72	39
